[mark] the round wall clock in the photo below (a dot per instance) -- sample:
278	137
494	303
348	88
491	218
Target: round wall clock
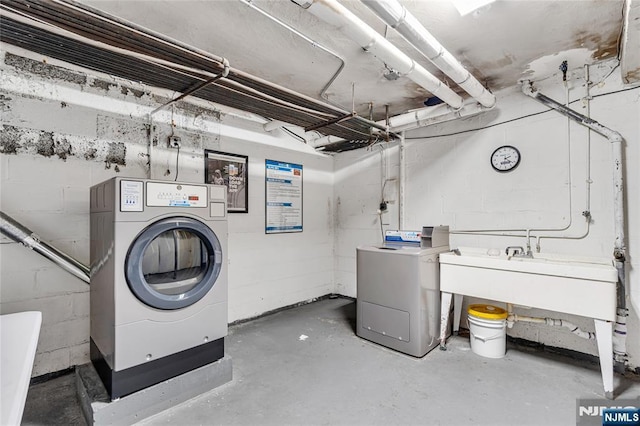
505	158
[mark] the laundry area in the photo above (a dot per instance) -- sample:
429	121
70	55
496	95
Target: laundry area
320	212
326	378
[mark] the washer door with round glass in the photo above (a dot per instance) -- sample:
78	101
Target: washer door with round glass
173	263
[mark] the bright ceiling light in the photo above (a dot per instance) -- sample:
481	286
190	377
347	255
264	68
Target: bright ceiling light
467	6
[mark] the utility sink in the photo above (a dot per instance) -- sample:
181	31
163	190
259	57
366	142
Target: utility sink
570	284
574	285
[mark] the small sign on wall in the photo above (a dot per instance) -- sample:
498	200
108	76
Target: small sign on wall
283	196
231	170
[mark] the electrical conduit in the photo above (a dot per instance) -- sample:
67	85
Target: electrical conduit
307	39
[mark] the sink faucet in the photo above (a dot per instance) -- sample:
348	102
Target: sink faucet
518	251
515	251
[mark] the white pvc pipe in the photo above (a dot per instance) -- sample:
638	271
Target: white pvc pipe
616	146
620	336
398	17
512	319
554	322
401	185
432	115
527	233
619	248
332	12
587	97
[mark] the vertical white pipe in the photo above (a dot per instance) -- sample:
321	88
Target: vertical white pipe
616	147
619	339
618	185
619	250
401	185
588	110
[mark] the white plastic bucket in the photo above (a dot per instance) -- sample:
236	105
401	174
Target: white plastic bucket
488	336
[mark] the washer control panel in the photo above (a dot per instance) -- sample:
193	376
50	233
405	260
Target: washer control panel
400	237
176	195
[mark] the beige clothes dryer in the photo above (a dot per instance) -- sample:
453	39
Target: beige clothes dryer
158	280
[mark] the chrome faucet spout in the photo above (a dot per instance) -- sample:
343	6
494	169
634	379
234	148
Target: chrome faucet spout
515	251
518	251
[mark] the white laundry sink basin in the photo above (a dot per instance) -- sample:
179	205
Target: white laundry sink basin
571	284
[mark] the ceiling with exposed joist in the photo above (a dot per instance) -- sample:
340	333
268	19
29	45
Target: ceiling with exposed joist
284	58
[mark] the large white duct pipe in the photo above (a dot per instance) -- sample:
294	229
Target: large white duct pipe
398	17
432	115
415	119
353	27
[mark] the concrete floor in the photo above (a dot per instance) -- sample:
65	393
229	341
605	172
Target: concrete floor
334	377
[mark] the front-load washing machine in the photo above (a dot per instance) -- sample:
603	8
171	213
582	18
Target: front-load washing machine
158	280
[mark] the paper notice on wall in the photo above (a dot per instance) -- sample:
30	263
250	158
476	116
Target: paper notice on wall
283	197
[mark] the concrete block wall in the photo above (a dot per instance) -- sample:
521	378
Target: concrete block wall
360	177
450	181
267	272
65	129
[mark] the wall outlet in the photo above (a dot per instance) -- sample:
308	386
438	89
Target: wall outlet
174	142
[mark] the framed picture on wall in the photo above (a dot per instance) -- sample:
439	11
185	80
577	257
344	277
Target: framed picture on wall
231	170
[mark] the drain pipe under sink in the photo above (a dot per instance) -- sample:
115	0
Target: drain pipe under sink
21	234
513	318
619	250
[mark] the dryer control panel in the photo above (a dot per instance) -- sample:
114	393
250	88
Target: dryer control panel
176	195
130	196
